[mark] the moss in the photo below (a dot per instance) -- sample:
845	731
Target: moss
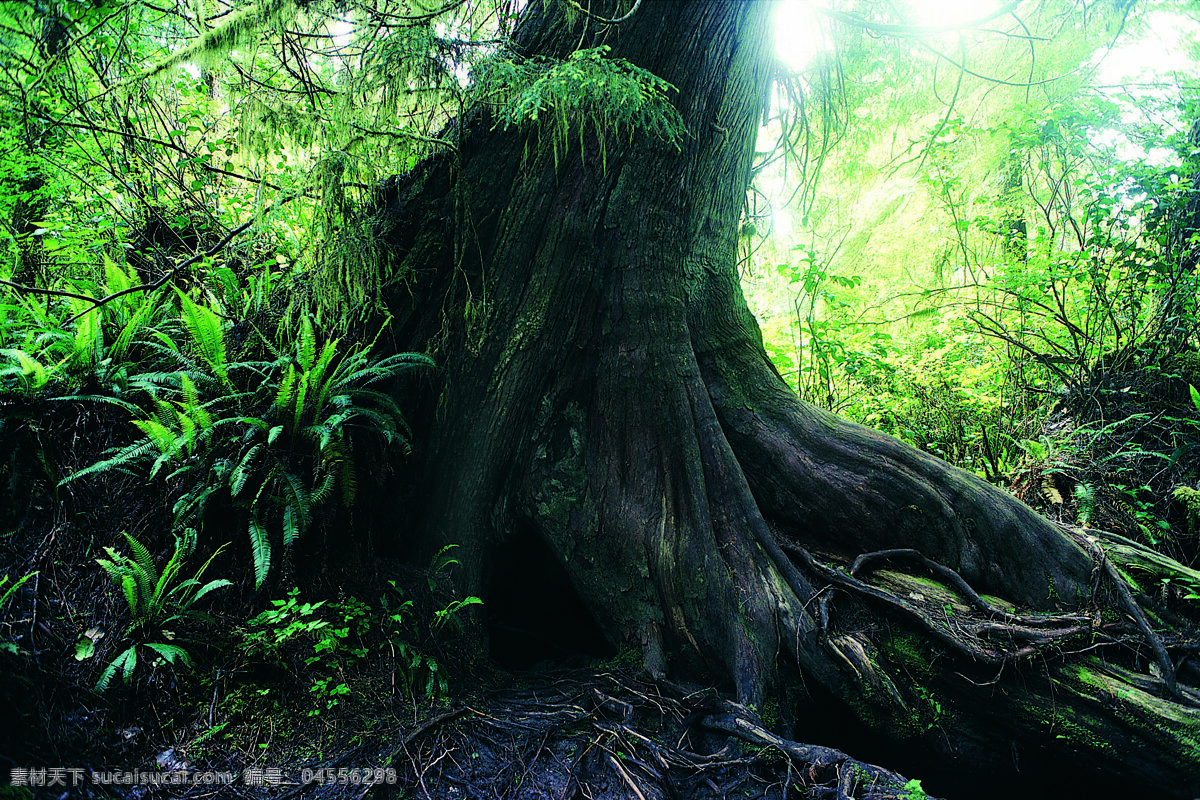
883	715
1149	718
1184	365
910	652
1189	498
770	713
627	660
999	602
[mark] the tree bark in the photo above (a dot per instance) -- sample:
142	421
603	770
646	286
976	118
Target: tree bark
605	385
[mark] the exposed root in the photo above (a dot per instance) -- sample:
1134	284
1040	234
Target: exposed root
816	764
984	640
1002	636
1152	639
961	585
595	737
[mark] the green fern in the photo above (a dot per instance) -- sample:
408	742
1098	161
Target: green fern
155	599
204	327
589	90
260	551
27	376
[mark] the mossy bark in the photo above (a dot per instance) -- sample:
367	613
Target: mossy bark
605	385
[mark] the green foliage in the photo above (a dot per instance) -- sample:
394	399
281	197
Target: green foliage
589	92
913	791
331	639
6	595
271	438
155	599
6	591
287	620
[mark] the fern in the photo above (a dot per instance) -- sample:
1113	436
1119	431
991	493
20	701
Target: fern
298	508
587	90
126	662
260	550
122	458
11	590
28	372
241	473
204	327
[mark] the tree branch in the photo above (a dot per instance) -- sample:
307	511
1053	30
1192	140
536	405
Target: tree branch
158	284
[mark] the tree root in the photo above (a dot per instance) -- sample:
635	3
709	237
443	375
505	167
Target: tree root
1004	637
1131	607
816	764
609	737
963	587
979	640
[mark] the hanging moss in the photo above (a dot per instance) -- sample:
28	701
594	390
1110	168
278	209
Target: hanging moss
211	48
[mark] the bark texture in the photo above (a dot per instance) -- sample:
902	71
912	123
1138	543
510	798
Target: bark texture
605	386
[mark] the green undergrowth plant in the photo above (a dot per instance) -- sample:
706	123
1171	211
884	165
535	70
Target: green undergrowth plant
8	590
273	439
68	346
329	641
155	599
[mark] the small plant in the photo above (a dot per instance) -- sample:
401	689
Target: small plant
330	694
6	594
155	600
287	621
913	791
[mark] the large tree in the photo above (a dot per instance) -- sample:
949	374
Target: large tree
605	387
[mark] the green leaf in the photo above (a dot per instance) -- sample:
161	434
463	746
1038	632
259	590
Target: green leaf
170	652
85	648
260	549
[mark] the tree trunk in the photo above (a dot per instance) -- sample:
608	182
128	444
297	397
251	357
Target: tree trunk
606	388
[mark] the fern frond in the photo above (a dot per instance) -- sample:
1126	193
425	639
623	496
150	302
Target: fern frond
391	428
30	368
394	365
160	435
99	398
324	491
204	327
89	337
141	555
298	403
170	652
306	344
126	455
126	662
211	586
283	397
298	508
167	577
241	472
260	549
317	379
129	587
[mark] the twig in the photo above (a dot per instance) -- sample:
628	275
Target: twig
602	20
433	721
